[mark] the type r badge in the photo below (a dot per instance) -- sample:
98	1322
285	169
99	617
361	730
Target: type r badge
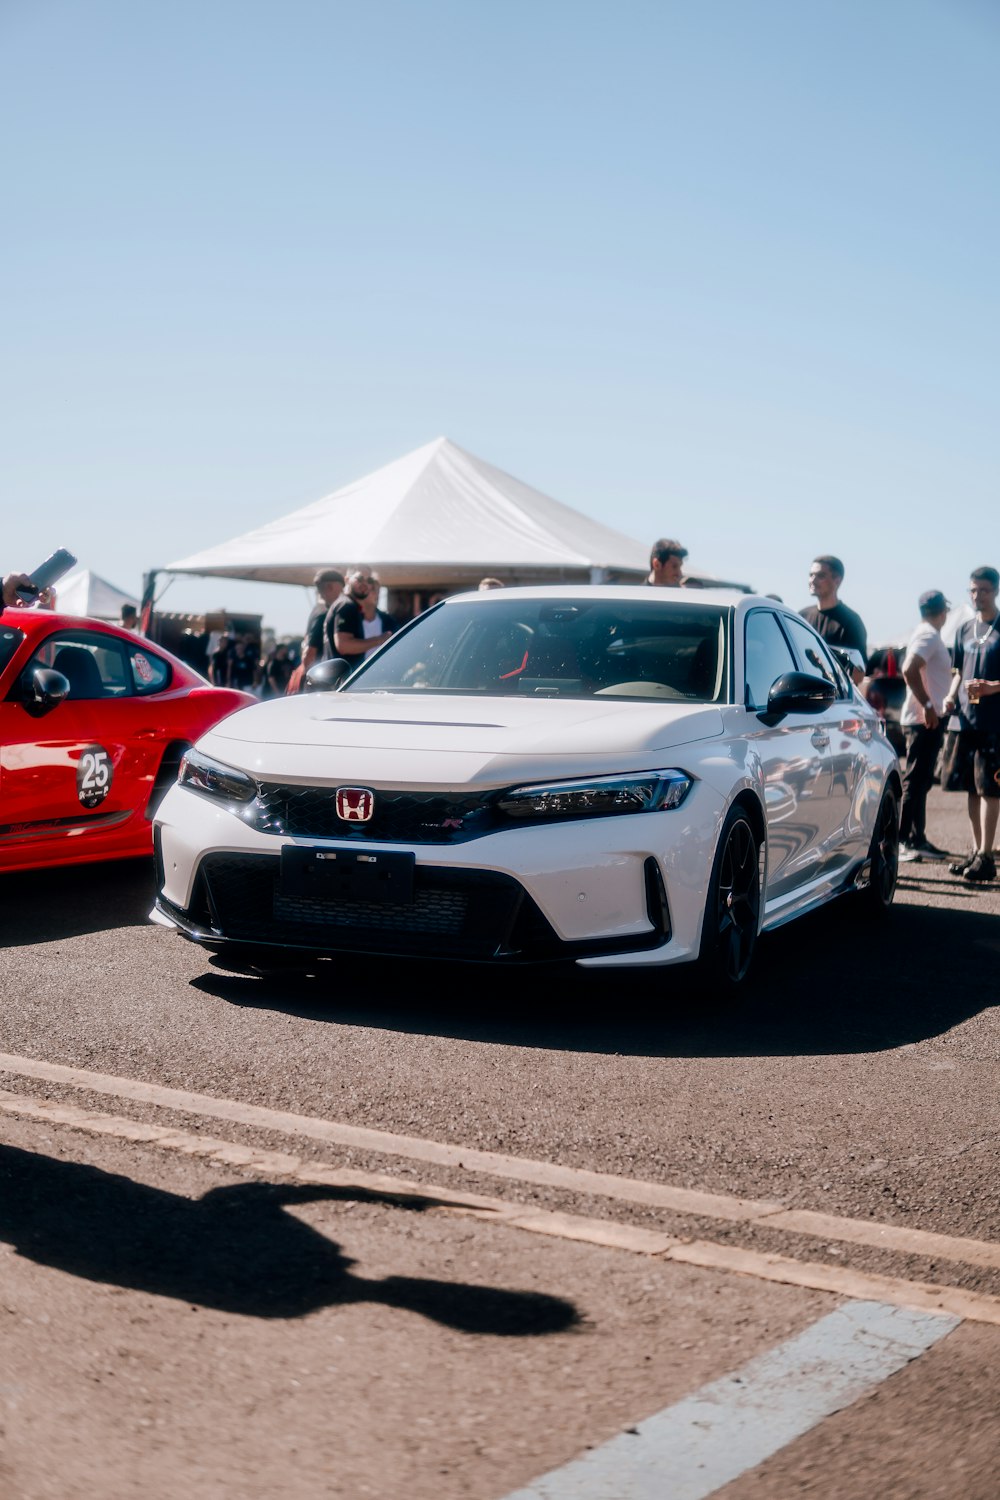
355	804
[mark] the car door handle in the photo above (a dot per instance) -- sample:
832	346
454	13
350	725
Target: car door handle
819	739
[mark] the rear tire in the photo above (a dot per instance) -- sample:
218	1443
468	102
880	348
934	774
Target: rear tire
732	911
883	854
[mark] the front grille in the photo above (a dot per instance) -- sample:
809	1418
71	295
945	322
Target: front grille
399	817
455	913
441	912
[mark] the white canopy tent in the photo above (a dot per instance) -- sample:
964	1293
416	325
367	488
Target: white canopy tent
84	593
437	517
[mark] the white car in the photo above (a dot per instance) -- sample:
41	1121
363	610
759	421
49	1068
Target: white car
613	775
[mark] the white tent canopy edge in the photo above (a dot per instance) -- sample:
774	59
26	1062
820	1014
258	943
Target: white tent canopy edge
440	515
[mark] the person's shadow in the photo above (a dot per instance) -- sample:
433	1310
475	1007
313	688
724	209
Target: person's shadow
235	1249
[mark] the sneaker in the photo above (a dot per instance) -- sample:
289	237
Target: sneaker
961	865
910	853
927	849
981	868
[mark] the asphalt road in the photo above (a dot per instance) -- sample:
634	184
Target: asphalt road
181	1324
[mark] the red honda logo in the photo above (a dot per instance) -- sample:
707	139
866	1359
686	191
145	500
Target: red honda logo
355	804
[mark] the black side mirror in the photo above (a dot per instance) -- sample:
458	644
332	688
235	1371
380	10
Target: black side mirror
44	690
326	676
798	693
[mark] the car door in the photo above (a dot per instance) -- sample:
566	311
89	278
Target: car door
849	732
794	757
87	757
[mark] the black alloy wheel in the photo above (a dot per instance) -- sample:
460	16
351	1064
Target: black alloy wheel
883	856
732	913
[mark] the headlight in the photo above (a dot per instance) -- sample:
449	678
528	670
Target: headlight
200	773
650	791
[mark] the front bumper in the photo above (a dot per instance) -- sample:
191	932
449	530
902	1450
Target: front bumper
598	892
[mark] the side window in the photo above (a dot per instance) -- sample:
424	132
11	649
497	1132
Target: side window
150	673
768	655
93	665
816	658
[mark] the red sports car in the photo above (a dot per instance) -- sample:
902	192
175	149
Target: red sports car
93	723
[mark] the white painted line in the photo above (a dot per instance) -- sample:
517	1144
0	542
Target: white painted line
691	1449
678	1200
842	1281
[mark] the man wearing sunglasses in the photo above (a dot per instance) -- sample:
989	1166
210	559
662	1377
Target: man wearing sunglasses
348	633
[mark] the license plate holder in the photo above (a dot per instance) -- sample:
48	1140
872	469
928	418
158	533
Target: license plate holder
383	878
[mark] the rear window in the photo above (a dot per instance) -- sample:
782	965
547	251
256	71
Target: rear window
150	673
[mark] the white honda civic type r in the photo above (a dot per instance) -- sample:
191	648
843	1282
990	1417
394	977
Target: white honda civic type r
612	775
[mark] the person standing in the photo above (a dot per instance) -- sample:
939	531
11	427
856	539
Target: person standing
927	674
834	621
350	633
277	671
219	662
329	584
666	563
372	614
829	617
975	693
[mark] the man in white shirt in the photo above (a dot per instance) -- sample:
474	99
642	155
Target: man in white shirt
927	671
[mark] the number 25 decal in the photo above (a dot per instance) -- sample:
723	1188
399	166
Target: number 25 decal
93	775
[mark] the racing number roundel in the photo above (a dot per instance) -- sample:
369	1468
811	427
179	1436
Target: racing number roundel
93	775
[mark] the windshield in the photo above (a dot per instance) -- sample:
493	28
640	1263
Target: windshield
572	648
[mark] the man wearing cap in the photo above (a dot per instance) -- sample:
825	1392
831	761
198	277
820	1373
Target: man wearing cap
666	560
927	673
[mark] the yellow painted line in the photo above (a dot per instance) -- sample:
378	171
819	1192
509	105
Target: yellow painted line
693	1201
840	1280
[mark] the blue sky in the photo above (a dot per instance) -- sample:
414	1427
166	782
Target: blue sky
716	269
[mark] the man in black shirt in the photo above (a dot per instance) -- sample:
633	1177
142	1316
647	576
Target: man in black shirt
349	632
329	584
828	617
975	693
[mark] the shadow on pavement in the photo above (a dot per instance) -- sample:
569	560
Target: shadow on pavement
824	984
235	1249
41	906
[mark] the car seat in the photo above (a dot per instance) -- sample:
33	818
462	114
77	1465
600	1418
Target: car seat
701	681
81	671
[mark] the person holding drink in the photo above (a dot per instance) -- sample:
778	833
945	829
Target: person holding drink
975	693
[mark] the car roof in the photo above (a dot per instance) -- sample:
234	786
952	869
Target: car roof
671	598
43	621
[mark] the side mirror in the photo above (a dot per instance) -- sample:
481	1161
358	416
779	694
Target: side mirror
326	676
798	693
44	690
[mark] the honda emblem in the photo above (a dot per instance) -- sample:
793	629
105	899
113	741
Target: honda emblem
355	804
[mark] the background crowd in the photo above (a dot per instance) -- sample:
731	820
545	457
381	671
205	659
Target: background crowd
949	720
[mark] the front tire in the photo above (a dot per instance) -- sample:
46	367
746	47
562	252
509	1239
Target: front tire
732	912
